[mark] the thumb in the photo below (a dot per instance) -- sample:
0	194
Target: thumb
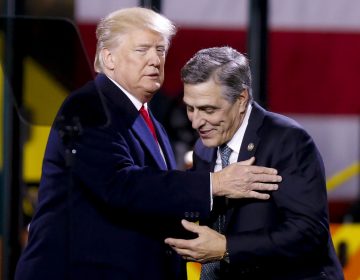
249	161
193	227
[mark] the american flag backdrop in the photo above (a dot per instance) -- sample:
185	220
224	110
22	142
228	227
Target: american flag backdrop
313	65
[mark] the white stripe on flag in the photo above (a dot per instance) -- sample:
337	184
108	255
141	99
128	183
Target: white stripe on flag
337	138
315	14
200	13
283	14
93	10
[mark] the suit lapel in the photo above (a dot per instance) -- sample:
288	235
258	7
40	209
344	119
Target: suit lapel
143	132
251	137
165	144
123	108
249	143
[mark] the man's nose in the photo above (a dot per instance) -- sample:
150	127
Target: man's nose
154	58
197	121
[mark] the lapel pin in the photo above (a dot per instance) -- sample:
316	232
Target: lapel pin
250	147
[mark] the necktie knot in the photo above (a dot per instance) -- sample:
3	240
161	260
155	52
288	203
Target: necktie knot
144	113
225	152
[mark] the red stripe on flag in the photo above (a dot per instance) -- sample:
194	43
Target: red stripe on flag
309	72
87	32
187	42
314	72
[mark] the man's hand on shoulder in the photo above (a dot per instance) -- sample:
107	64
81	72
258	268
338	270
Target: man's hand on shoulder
244	180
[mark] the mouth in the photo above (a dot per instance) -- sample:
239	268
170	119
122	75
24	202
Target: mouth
153	75
205	133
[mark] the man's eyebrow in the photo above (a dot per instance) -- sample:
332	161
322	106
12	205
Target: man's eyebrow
143	45
207	107
202	107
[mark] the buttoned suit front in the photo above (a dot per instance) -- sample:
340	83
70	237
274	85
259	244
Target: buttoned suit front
107	198
286	237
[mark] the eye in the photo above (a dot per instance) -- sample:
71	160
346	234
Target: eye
161	50
189	109
209	110
141	50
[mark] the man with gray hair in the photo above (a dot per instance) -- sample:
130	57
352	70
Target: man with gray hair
285	237
104	213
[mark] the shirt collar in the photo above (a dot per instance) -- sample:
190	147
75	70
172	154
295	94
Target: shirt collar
132	98
236	141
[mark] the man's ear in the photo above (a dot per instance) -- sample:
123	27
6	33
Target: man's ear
244	100
107	59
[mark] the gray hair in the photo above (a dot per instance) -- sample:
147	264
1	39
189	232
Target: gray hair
225	65
115	25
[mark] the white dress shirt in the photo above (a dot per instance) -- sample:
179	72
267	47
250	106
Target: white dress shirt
235	142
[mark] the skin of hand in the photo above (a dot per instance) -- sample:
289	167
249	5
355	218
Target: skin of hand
208	246
243	180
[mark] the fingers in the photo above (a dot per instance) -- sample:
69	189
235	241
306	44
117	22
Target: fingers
263	174
264	182
184	252
257	169
210	245
244	180
262	170
184	243
264	187
249	161
257	195
255	187
193	227
189	259
177	243
267	178
182	247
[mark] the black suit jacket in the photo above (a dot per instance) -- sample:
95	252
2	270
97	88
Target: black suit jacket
107	199
286	237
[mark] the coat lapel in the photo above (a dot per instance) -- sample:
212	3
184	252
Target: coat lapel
250	143
123	108
165	144
144	134
251	137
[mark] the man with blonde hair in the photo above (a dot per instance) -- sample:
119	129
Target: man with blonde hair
105	213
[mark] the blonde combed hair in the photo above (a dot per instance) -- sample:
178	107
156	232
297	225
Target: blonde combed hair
112	27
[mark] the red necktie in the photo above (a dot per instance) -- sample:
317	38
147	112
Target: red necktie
144	113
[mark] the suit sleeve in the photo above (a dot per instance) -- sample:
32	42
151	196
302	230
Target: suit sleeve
301	204
105	168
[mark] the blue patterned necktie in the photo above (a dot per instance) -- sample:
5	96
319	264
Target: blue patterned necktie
210	271
225	152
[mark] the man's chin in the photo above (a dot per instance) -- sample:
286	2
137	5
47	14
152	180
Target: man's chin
153	88
210	143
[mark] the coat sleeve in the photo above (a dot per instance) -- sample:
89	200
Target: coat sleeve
123	180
